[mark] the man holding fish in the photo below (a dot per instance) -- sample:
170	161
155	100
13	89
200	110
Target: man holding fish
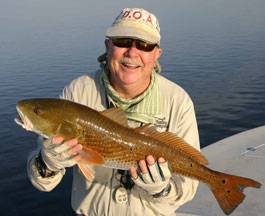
128	78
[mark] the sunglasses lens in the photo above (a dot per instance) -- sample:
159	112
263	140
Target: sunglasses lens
144	46
127	42
122	42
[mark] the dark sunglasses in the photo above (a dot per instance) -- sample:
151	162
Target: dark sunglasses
127	43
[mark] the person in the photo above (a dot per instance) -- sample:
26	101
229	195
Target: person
128	78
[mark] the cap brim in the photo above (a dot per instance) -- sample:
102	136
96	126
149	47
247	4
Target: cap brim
132	32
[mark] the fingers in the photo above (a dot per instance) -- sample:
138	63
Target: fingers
161	160
57	140
75	149
143	165
72	142
77	157
133	173
150	161
153	175
165	170
70	147
58	153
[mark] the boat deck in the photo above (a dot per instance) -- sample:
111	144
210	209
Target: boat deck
242	154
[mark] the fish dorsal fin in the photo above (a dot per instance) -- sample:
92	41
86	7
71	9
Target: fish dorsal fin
117	115
144	129
174	141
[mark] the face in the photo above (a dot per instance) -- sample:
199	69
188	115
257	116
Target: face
130	67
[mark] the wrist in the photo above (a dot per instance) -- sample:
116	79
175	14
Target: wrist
43	170
164	192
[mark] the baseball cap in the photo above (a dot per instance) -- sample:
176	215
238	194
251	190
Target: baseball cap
136	23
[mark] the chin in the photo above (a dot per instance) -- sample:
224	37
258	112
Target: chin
128	81
130	78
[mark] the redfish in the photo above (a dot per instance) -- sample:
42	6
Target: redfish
108	141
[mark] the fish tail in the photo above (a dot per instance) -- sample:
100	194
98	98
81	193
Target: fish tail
229	190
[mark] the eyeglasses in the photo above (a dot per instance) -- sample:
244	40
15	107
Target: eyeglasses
127	43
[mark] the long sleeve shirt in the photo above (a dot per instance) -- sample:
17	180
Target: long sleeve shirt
97	197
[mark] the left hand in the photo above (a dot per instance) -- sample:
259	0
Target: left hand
154	175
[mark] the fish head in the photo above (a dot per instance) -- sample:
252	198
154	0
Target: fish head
42	116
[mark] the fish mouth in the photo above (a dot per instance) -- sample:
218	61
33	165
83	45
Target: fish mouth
23	121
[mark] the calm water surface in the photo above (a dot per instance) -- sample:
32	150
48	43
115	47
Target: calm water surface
222	70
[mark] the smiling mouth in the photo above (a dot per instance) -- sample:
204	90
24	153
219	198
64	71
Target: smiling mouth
132	66
130	63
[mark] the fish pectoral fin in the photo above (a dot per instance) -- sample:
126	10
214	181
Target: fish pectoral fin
117	115
69	129
87	170
91	156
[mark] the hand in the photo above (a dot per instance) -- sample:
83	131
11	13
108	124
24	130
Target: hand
57	154
154	176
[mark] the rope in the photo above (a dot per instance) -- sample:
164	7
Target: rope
251	149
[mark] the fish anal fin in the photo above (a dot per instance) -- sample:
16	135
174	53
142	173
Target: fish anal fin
117	115
87	170
91	156
175	142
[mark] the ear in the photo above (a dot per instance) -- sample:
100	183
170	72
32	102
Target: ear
158	53
107	44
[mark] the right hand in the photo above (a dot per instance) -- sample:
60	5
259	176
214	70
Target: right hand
58	154
154	175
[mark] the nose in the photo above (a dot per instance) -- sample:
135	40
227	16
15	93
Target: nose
132	51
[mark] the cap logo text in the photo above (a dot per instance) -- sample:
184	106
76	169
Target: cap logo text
136	15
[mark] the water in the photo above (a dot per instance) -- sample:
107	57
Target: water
215	51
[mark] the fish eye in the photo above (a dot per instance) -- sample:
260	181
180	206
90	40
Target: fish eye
37	111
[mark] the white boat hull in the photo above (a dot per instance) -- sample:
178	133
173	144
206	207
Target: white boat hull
242	154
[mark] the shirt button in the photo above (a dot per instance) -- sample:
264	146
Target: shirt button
121	195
